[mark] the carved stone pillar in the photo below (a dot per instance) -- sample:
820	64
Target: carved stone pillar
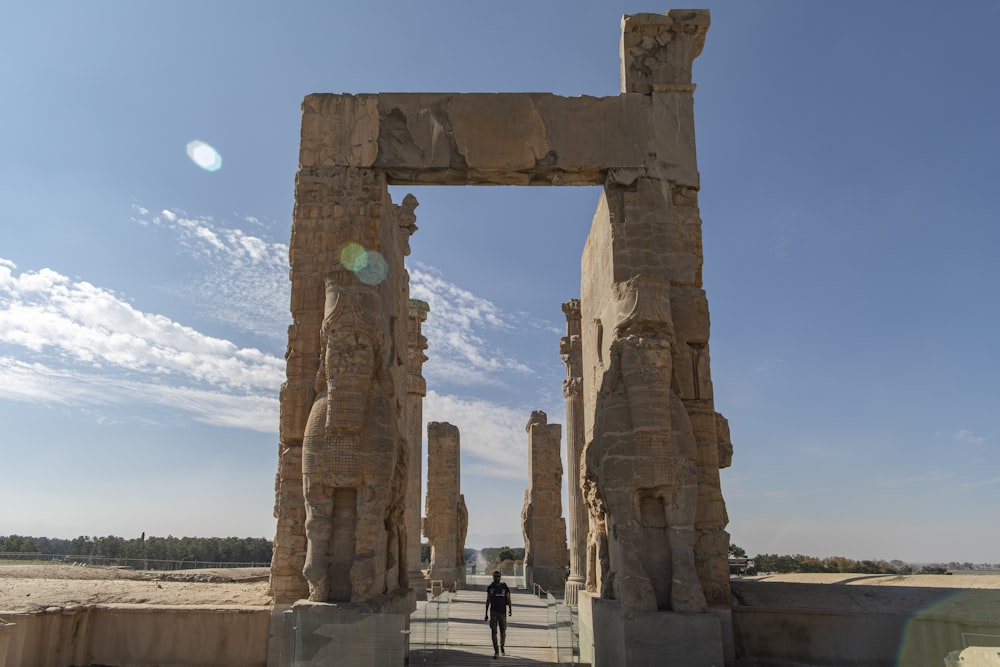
570	349
416	390
545	556
444	504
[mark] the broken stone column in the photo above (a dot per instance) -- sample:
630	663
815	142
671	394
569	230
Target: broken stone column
570	349
443	517
416	390
545	553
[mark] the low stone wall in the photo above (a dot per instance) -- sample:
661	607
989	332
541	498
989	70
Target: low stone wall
138	636
864	626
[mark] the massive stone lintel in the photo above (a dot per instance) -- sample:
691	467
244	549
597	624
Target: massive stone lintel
544	528
500	138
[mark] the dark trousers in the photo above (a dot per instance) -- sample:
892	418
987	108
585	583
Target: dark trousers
498	619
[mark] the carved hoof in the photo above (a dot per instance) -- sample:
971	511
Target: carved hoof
686	596
320	591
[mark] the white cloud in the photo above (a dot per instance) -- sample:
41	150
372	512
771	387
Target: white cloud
40	383
456	327
46	311
492	437
85	345
82	344
245	279
963	435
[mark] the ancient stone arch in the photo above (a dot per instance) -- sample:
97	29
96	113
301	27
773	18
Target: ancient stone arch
657	571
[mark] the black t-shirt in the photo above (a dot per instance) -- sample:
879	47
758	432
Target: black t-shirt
497	593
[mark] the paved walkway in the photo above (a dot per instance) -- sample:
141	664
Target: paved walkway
462	638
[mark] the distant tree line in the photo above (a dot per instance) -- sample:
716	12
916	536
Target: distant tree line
839	565
170	548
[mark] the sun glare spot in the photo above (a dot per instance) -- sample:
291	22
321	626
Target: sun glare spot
204	155
375	269
368	265
354	257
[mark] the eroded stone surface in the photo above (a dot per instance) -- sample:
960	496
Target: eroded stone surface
653	441
343	458
445	519
545	555
416	390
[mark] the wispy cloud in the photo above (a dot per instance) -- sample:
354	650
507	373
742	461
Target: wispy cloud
244	282
83	344
457	327
492	437
969	437
71	342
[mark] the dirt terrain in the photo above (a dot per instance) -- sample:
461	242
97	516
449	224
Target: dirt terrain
39	586
25	588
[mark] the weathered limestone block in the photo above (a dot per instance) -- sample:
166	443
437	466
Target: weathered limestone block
545	555
347	501
497	138
445	519
344	459
657	50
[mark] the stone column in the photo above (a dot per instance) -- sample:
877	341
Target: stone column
653	453
545	554
569	348
416	390
442	520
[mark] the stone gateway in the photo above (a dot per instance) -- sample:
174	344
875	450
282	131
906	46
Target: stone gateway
655	577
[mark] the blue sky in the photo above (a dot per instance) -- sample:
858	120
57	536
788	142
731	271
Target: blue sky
848	160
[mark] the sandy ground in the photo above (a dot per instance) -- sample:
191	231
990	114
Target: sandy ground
975	579
39	586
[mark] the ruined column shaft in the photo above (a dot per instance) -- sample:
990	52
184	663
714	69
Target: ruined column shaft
417	389
443	513
570	349
546	556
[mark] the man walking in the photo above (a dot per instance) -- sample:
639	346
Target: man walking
497	601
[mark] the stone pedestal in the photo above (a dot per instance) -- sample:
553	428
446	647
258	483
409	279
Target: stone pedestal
611	637
374	633
572	591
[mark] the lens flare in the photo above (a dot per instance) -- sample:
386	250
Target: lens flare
374	270
354	257
204	155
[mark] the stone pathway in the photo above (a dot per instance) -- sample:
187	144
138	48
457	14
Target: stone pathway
464	638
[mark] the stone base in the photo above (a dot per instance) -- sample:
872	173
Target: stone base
573	588
316	633
419	584
610	637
